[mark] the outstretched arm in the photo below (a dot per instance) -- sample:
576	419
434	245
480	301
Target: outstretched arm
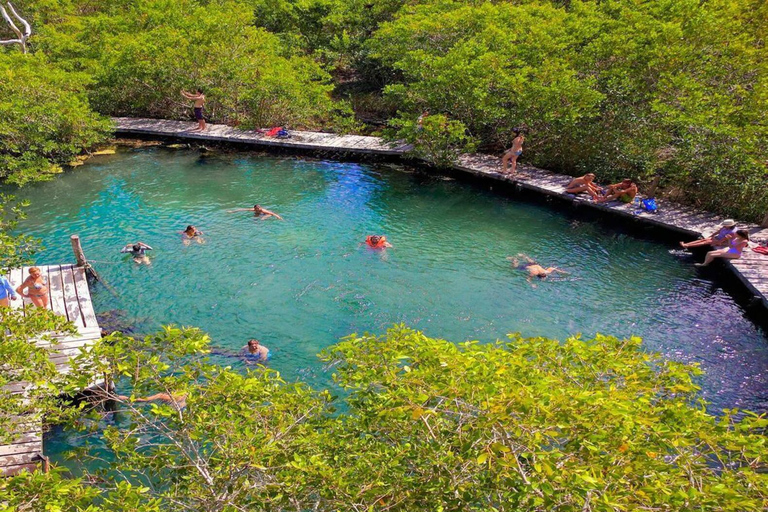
267	212
145	246
240	210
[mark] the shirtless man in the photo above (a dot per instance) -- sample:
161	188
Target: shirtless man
257	211
584	183
533	268
513	154
199	102
624	192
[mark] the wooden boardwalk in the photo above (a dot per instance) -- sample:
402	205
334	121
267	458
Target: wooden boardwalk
69	297
751	269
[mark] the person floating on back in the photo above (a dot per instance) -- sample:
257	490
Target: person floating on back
584	183
377	242
624	192
524	262
199	98
513	154
736	246
137	250
719	238
258	211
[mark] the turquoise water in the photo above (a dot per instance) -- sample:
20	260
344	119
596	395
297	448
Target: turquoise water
300	284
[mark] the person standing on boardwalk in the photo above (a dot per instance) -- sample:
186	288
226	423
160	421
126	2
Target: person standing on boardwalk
6	292
37	288
199	102
513	154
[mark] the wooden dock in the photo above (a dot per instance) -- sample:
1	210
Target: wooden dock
70	298
751	269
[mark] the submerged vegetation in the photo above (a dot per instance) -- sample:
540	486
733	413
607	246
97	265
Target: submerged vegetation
524	424
673	90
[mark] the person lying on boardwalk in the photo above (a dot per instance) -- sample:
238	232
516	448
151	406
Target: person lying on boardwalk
137	250
736	246
6	292
524	262
258	211
624	192
199	99
513	154
584	183
377	242
719	238
255	351
37	289
192	233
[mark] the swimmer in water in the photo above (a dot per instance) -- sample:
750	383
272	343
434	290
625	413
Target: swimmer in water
258	211
524	262
137	250
192	233
377	242
254	350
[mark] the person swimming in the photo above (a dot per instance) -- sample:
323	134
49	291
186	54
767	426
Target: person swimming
192	233
524	262
377	242
37	289
255	351
137	250
258	211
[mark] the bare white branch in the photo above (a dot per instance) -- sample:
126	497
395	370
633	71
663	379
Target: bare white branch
21	37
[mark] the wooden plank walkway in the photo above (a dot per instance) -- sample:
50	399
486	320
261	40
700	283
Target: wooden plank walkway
751	269
69	297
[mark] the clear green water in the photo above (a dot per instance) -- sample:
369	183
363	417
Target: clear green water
300	284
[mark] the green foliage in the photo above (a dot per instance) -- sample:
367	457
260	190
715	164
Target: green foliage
143	54
15	249
437	139
46	118
526	424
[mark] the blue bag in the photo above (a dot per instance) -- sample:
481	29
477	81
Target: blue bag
650	205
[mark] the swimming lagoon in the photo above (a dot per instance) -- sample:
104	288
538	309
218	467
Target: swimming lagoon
300	284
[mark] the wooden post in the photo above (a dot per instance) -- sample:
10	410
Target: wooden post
764	224
79	254
651	192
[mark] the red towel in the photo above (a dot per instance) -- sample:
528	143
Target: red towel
273	131
761	250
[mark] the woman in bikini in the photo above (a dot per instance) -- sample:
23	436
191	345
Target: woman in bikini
583	184
37	288
513	154
736	246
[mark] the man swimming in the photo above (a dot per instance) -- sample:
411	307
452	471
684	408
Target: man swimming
258	211
524	262
254	350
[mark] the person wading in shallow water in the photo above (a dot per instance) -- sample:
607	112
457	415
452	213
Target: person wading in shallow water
199	98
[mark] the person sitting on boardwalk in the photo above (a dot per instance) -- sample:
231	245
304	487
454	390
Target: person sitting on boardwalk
258	211
199	102
624	192
736	246
6	292
719	238
513	154
524	262
255	351
377	242
137	250
584	183
192	233
37	289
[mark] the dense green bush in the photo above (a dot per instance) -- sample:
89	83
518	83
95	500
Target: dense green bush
521	425
46	119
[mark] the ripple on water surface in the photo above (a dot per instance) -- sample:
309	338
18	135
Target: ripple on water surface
300	284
